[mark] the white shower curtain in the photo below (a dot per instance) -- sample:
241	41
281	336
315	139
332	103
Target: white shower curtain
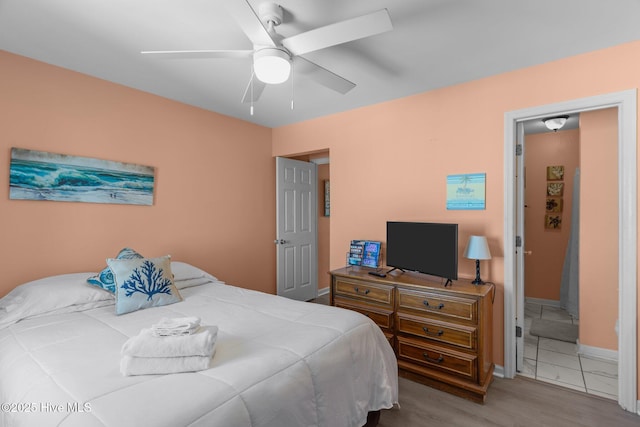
569	287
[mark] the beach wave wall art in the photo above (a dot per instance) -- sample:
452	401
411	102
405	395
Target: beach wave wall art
39	175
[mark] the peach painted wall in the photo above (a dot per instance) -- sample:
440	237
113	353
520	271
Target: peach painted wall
543	268
390	160
599	228
211	173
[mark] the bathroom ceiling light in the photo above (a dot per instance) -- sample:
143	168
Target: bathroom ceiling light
555	123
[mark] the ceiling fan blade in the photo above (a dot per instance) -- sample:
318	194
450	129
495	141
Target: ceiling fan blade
253	94
322	75
340	32
249	22
198	54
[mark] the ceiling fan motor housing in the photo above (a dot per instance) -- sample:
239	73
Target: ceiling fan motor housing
270	12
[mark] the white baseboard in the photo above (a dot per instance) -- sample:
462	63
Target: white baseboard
597	352
542	301
498	371
323	291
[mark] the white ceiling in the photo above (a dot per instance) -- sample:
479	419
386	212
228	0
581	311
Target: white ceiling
434	43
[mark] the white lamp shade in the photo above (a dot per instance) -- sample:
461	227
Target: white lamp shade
477	248
272	65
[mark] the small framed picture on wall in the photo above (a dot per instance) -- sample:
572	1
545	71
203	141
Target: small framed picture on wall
555	173
553	222
555	188
554	204
327	198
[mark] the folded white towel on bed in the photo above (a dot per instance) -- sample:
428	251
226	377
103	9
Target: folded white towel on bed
146	344
176	326
130	365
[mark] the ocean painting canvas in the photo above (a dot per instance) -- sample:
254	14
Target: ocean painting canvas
39	175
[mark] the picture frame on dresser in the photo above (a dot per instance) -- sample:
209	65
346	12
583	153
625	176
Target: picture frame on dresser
365	253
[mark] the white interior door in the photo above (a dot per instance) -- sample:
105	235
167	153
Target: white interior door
520	245
296	212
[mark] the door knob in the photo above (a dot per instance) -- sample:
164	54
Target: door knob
527	252
279	242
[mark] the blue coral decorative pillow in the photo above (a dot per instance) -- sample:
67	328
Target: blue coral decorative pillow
143	283
104	279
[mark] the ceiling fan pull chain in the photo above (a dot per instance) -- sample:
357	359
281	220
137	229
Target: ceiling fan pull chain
251	83
292	74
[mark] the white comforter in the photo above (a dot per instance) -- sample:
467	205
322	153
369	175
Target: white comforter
278	363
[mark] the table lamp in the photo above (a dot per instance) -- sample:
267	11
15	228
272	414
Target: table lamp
477	249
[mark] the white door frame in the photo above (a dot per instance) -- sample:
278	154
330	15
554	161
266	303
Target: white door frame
519	260
625	101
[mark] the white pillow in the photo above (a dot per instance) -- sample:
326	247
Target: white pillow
186	275
52	295
184	271
188	283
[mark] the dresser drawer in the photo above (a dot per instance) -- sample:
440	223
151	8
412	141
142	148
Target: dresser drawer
364	291
444	306
452	362
382	318
448	333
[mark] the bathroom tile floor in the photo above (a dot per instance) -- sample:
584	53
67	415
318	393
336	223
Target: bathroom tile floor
558	362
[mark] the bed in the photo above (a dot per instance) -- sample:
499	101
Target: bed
277	362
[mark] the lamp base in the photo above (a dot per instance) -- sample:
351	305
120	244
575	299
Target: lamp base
477	280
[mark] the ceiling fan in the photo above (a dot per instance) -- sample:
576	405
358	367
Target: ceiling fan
274	55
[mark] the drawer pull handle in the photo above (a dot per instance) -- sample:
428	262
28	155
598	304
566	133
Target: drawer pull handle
438	307
429	359
366	291
428	332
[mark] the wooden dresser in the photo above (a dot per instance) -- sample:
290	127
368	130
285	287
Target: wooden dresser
441	336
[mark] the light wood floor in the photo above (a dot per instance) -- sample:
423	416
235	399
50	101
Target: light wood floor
520	402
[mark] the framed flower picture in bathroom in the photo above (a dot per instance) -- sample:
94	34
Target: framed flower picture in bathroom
555	189
555	173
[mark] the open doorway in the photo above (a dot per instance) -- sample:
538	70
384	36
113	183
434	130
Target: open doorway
324	223
554	350
626	188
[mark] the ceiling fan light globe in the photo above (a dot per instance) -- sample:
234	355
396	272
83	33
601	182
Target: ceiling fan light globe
272	66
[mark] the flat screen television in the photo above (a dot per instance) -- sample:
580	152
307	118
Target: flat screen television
426	247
